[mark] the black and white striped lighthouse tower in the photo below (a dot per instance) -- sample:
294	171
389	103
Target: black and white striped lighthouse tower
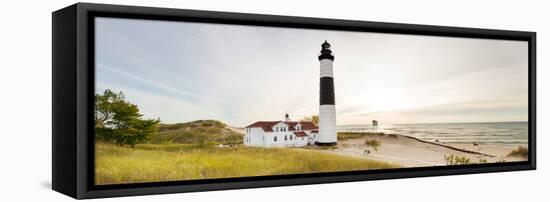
327	111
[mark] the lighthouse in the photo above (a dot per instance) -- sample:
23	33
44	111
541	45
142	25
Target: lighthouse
327	111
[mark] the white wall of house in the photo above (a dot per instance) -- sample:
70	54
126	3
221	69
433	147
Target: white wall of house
257	137
300	142
254	137
312	137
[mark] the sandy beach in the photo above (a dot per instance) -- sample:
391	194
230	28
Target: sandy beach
411	152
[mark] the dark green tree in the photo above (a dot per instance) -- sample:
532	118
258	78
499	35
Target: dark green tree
119	121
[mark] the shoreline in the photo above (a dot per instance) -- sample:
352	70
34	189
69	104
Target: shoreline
410	151
448	145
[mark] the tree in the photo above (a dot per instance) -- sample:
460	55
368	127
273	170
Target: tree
119	121
312	118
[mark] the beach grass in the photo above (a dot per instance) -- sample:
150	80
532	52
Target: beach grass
520	152
353	135
174	162
201	132
458	160
373	143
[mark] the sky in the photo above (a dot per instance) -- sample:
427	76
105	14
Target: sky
183	71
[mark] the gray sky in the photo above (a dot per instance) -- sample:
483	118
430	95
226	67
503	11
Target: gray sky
181	72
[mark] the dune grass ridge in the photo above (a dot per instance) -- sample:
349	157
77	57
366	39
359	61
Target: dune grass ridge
154	163
520	152
202	132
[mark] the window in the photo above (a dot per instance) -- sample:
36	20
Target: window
285	138
302	138
275	139
291	137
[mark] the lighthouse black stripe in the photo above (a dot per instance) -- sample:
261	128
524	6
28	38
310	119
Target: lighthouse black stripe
326	91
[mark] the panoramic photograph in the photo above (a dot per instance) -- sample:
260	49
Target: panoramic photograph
178	101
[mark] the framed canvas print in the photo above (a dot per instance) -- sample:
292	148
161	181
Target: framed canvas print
154	100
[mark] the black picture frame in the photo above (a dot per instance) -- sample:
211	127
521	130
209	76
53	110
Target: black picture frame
73	90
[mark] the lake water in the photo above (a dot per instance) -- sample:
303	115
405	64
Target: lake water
493	133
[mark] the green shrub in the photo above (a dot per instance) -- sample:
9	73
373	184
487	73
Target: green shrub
456	160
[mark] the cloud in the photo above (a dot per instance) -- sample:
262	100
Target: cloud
181	71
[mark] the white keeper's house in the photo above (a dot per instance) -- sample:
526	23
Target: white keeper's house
285	133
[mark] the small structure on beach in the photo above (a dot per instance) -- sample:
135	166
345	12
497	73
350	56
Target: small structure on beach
374	123
285	133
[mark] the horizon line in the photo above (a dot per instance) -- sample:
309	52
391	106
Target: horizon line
442	123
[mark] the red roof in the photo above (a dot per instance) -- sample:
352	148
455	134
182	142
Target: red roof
268	125
300	134
306	125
